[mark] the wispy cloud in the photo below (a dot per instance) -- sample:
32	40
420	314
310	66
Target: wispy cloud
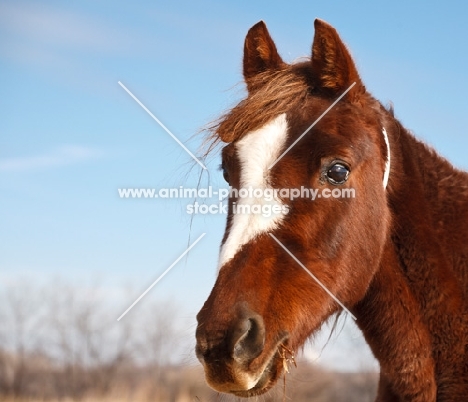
56	27
72	46
61	156
69	45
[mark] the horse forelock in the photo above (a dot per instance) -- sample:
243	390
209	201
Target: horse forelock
278	92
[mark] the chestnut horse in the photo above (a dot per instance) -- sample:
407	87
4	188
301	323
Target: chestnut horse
395	255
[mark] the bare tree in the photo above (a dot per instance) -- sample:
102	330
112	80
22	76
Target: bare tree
85	337
22	318
63	341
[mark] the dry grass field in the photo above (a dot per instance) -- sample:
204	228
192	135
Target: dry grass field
185	384
69	347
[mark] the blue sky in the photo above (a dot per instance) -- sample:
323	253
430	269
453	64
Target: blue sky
70	136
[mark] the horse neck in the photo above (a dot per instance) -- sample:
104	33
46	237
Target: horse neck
429	202
417	292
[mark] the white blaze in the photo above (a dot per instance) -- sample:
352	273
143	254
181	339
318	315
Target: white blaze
256	152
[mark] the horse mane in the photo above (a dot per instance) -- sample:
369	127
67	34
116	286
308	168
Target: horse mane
278	91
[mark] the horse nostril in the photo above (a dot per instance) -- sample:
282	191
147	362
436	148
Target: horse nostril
248	338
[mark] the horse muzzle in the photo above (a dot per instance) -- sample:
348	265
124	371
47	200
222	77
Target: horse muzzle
236	359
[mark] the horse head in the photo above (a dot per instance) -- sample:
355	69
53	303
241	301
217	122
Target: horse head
291	134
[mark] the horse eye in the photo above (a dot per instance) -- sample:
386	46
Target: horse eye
337	174
225	174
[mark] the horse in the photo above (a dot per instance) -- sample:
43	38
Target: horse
394	256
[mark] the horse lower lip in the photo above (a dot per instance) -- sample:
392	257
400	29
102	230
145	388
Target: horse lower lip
265	379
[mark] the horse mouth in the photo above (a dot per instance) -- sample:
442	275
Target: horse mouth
270	375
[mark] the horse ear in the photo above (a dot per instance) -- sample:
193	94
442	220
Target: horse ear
260	53
332	64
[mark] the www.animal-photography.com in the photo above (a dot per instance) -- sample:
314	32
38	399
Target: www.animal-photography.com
221	201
